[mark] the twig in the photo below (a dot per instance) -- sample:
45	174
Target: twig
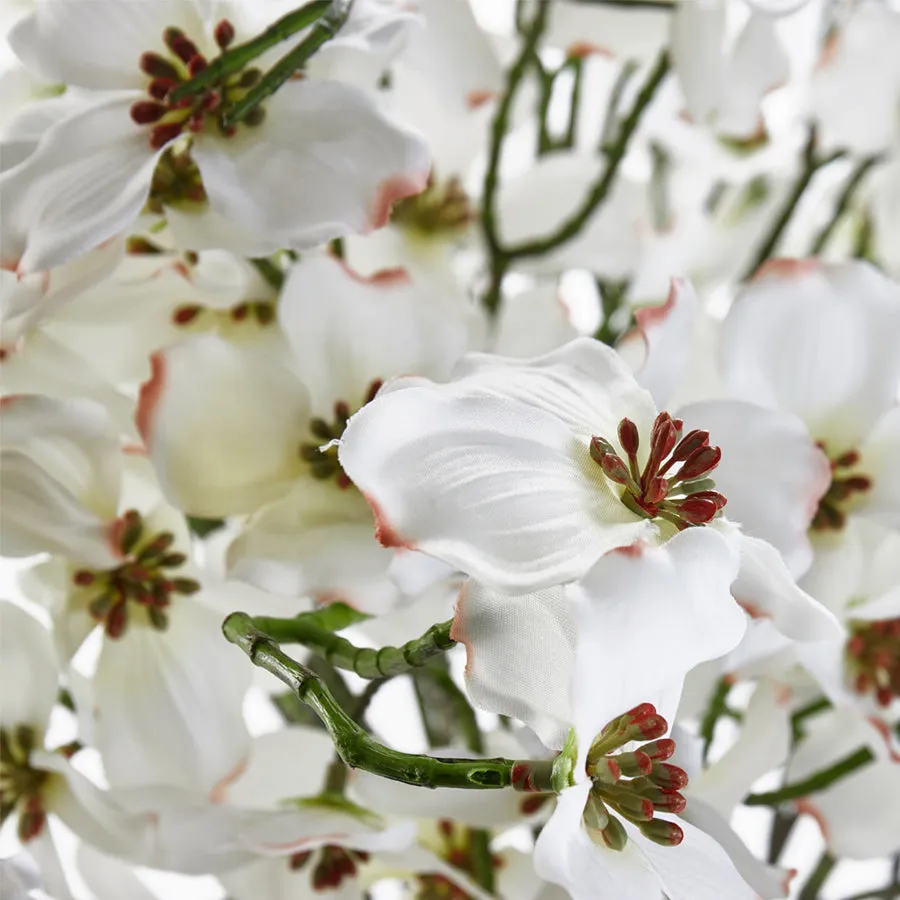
843	203
817	879
359	750
716	709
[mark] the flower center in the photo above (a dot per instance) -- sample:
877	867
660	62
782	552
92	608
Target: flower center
686	496
636	783
142	582
21	786
443	209
333	865
873	658
176	180
322	453
246	313
183	62
832	512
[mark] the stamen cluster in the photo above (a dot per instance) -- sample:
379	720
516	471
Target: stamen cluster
873	657
684	497
636	783
184	62
442	208
334	864
458	850
831	514
260	311
141	580
322	459
21	786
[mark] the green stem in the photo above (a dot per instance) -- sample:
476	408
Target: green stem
817	879
359	750
614	156
612	105
461	710
482	859
801	715
272	273
716	709
817	782
235	59
365	662
499	263
843	203
324	28
812	162
782	826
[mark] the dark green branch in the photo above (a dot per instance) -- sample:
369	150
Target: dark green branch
614	156
359	750
817	782
308	629
817	879
235	59
499	263
843	203
718	703
323	30
272	273
812	162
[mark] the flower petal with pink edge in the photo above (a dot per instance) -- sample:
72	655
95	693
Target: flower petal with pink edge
644	617
223	426
348	332
86	181
765	589
499	488
667	332
340	176
771	472
169	703
503	635
26	646
839	376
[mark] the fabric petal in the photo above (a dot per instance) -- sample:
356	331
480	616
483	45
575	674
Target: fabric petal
26	646
878	460
765	588
533	323
347	332
644	617
169	703
565	855
840	376
341	176
771	471
109	878
86	181
504	634
491	485
698	36
223	426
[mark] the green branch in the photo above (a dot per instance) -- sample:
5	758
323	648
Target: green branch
817	879
313	632
717	705
323	30
615	153
359	750
812	162
236	59
499	263
272	273
843	203
818	782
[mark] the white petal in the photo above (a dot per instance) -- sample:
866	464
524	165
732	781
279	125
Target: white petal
501	489
347	331
771	471
26	649
698	34
644	617
629	33
818	340
667	332
504	636
169	703
306	175
878	460
275	879
763	745
87	180
697	869
53	875
769	882
98	43
565	855
533	323
765	588
107	877
223	426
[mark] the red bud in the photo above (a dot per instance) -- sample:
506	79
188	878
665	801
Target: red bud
629	437
701	461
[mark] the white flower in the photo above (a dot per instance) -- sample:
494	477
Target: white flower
318	162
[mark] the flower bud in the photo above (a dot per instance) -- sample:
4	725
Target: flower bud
692	441
629	437
665	775
700	462
634	764
661	832
614	835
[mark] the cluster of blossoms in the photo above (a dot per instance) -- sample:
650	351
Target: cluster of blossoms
531	369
